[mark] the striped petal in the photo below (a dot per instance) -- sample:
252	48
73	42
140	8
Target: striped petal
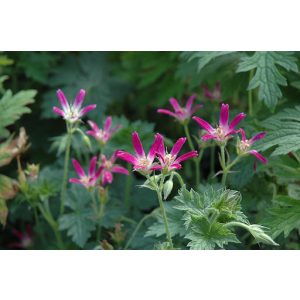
86	109
207	137
175	104
107	177
107	123
161	151
94	126
237	120
119	169
137	145
177	146
58	111
205	125
243	134
62	99
167	112
78	168
258	156
79	99
92	168
190	102
127	157
186	156
158	141
75	180
224	115
257	137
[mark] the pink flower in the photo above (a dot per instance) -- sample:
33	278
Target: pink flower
181	113
109	167
245	145
169	161
89	180
140	161
105	134
72	112
224	130
25	239
215	94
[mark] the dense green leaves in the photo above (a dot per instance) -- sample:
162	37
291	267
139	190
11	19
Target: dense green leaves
12	107
267	77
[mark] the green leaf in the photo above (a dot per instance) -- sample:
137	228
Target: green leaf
5	61
283	132
79	223
12	107
284	216
267	77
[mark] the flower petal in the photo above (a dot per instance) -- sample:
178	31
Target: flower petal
258	156
58	111
176	166
78	168
93	126
243	134
116	128
217	91
87	109
166	112
190	102
79	99
156	167
98	173
207	137
107	123
175	104
158	140
257	137
207	93
92	168
186	156
237	120
205	125
62	99
177	146
75	180
161	151
119	169
224	115
196	107
107	177
137	145
127	157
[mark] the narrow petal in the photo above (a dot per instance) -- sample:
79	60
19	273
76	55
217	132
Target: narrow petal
92	168
92	133
79	99
176	166
175	104
87	109
58	111
177	146
98	173
78	168
107	177
243	134
186	156
156	167
166	112
161	151
75	180
107	123
137	145
196	107
237	120
207	93
205	125
158	140
116	128
257	137
258	156
224	115
127	157
62	99
190	102
207	137
119	169
217	91
94	126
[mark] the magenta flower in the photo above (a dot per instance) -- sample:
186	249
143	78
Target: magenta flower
245	145
169	161
105	134
109	167
25	239
224	130
181	113
91	178
140	161
214	94
72	112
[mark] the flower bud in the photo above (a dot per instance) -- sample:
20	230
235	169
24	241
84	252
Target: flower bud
32	171
168	187
258	233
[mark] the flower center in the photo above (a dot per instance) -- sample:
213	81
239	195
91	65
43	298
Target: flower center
220	133
144	163
72	114
108	165
244	145
169	159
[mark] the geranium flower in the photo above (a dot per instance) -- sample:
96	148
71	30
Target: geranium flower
91	178
109	167
181	113
102	135
72	112
169	161
244	146
140	161
224	130
214	94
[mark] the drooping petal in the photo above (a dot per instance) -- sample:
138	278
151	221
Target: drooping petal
258	156
75	180
186	156
62	99
78	168
224	115
190	102
137	145
107	123
257	137
119	169
176	166
237	120
243	134
86	109
58	111
205	125
175	104
158	140
79	99
166	112
177	146
207	137
107	177
127	157
92	168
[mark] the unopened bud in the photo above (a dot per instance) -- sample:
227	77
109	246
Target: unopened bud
258	233
168	187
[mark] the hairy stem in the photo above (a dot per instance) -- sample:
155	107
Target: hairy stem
181	182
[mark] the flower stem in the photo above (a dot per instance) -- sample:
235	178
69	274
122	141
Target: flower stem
179	178
128	187
212	159
100	218
196	159
66	168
